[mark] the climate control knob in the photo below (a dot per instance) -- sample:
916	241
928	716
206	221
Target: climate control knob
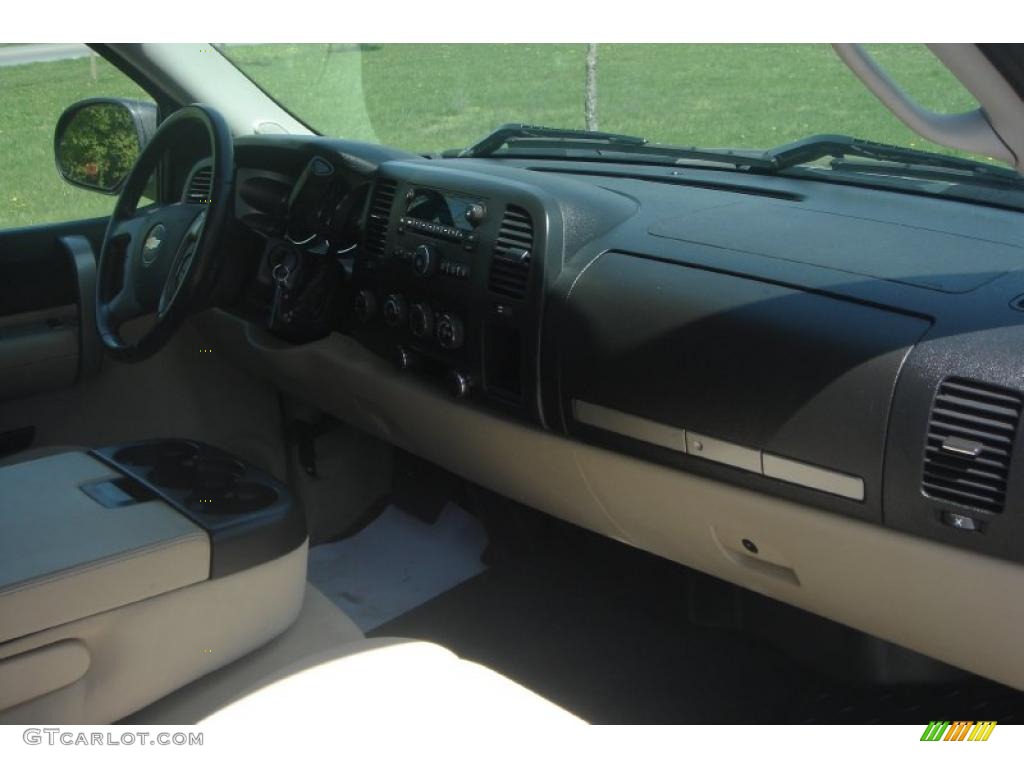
394	310
365	306
424	260
421	320
451	333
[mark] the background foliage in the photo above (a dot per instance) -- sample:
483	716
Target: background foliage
99	146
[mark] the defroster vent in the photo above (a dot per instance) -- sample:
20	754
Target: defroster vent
970	438
513	252
380	214
199	187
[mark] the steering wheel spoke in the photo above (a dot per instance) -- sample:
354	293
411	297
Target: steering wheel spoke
124	306
127	230
176	278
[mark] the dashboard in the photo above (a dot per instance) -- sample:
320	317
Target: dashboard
853	350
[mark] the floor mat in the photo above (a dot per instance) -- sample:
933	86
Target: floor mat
397	563
604	631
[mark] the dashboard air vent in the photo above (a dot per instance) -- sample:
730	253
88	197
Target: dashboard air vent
970	437
199	189
380	214
513	251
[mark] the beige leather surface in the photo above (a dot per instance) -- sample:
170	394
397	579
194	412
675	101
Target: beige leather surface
391	681
64	556
141	652
956	606
32	674
320	627
186	390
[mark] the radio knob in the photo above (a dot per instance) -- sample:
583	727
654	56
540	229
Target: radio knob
459	384
365	306
421	320
450	331
394	310
475	213
424	260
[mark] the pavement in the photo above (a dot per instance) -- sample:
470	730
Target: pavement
30	53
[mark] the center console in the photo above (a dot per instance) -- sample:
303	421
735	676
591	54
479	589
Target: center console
130	570
248	516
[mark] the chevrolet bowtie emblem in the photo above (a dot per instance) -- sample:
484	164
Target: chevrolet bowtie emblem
151	245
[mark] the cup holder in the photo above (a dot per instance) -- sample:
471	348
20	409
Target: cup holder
216	475
169	463
154	454
240	498
207	480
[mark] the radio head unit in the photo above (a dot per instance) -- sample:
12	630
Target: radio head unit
444	209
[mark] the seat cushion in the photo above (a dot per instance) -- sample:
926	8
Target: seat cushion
395	681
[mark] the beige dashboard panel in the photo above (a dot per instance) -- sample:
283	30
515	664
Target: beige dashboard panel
925	596
339	376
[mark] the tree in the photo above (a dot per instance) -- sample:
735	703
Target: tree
590	93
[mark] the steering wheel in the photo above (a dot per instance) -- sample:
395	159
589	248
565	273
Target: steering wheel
161	260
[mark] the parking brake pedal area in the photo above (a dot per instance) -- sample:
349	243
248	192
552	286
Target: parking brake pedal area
397	563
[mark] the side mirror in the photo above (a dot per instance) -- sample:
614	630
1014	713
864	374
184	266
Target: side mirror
97	141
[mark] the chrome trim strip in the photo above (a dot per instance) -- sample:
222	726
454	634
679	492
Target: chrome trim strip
629	426
723	452
809	476
719	451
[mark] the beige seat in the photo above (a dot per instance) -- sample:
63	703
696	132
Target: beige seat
394	681
322	669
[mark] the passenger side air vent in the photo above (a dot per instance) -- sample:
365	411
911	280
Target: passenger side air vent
513	252
199	187
970	437
380	214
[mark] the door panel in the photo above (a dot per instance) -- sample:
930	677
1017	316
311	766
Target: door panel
35	269
46	306
39	350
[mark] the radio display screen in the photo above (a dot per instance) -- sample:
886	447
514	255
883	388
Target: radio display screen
436	207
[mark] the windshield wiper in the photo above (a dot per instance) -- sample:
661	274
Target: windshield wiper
503	134
519	136
905	161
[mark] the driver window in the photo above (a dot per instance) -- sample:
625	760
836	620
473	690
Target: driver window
37	83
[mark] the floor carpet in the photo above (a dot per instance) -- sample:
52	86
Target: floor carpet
611	633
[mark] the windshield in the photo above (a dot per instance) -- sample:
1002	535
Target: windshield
433	98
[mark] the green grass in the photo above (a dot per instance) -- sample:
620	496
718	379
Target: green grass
33	96
432	97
